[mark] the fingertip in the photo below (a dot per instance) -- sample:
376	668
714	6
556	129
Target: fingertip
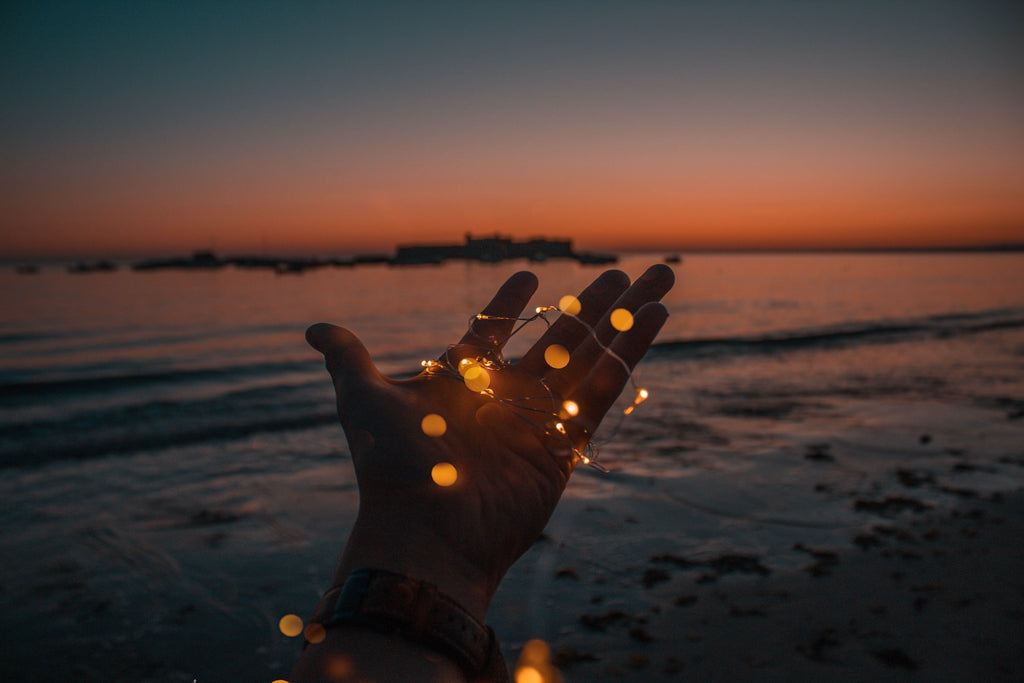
654	307
614	276
318	334
661	273
526	279
652	314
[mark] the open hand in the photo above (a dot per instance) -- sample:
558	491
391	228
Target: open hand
510	464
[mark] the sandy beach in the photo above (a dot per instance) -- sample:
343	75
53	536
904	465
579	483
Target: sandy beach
909	570
920	596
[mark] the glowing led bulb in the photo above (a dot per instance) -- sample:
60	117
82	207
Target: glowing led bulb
571	408
641	396
433	425
569	304
465	364
621	319
444	474
557	356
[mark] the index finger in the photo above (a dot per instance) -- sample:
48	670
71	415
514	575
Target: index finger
492	326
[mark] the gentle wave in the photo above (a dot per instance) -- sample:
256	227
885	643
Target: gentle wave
22	392
288	401
22	337
846	334
154	425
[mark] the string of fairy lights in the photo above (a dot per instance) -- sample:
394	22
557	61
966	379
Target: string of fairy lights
553	417
476	372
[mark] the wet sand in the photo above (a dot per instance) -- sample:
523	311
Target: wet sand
924	596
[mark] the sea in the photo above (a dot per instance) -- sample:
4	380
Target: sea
174	480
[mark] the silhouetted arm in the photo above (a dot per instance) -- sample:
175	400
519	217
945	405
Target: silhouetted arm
510	464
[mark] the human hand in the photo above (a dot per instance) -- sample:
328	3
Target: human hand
511	468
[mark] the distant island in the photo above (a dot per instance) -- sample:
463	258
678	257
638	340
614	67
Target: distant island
488	249
492	249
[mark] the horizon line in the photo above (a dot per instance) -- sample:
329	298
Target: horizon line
1009	247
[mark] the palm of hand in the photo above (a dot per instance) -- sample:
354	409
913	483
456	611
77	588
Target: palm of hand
511	470
509	476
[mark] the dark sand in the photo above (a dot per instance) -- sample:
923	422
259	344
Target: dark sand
926	596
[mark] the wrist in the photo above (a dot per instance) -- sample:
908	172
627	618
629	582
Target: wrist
391	603
416	553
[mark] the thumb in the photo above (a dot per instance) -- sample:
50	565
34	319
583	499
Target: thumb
347	361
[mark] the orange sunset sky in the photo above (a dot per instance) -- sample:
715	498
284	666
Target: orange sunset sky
152	128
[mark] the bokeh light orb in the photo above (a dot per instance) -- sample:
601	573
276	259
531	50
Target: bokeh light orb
444	474
570	304
433	425
557	356
528	674
315	633
290	625
477	379
621	319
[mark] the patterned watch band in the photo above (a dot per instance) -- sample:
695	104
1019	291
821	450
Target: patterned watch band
394	603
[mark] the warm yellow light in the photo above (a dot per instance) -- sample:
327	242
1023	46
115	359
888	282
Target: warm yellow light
433	425
444	474
560	428
315	633
571	408
280	680
339	667
536	654
622	319
477	379
569	304
465	364
290	625
557	356
641	396
528	674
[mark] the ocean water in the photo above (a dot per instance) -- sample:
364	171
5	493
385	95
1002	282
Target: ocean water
172	466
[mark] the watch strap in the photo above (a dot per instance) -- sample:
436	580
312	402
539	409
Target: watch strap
389	602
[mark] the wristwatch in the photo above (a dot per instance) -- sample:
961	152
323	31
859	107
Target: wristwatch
389	602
